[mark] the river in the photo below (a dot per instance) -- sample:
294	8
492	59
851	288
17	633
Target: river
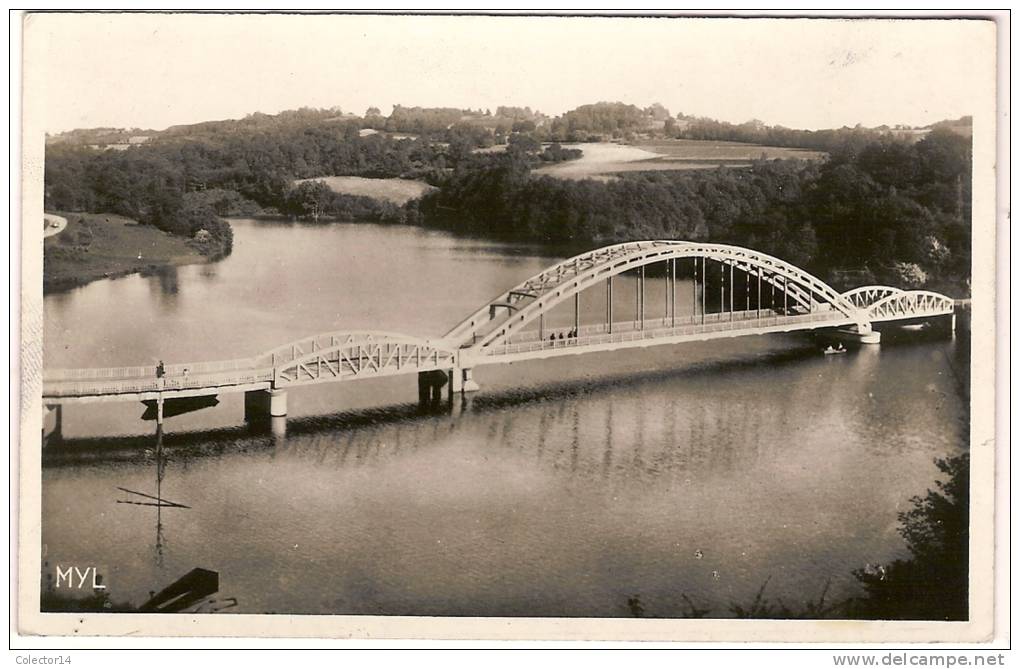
659	478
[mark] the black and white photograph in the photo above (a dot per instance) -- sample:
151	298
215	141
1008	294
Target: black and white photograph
343	321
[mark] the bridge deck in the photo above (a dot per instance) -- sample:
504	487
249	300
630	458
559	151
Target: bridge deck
512	327
631	334
184	380
149	387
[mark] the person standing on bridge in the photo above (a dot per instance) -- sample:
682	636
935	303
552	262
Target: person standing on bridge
160	370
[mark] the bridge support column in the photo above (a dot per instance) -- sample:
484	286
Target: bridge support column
854	335
470	385
278	427
873	337
456	380
262	403
945	324
462	381
430	388
57	432
277	403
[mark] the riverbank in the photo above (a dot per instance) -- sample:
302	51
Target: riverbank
104	246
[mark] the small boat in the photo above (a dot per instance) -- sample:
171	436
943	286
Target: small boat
829	350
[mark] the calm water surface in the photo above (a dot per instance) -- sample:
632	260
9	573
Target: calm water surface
563	488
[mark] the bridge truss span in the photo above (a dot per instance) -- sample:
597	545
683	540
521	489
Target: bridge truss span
908	304
774	296
864	296
349	355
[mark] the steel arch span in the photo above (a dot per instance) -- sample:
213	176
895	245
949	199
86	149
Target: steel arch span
349	355
484	337
538	295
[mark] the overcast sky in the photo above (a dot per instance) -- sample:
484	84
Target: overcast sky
153	71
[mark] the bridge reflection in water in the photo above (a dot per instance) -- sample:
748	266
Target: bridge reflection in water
607	484
735	292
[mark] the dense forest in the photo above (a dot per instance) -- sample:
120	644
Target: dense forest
883	207
249	166
886	210
756	132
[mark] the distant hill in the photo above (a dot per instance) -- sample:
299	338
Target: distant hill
961	126
102	137
597	122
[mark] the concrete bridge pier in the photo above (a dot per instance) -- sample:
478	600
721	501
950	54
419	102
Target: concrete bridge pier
461	381
470	385
853	335
456	381
430	388
56	433
261	403
278	427
946	324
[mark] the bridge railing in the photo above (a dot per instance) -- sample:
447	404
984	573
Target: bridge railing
744	322
655	323
66	388
211	367
148	371
99	373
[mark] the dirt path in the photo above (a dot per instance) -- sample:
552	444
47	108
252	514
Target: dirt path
53	224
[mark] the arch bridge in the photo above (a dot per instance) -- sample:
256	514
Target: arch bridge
703	291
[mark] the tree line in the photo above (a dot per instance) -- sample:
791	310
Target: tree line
887	210
240	168
880	208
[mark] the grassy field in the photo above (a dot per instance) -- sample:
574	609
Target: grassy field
397	191
99	246
602	161
703	150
